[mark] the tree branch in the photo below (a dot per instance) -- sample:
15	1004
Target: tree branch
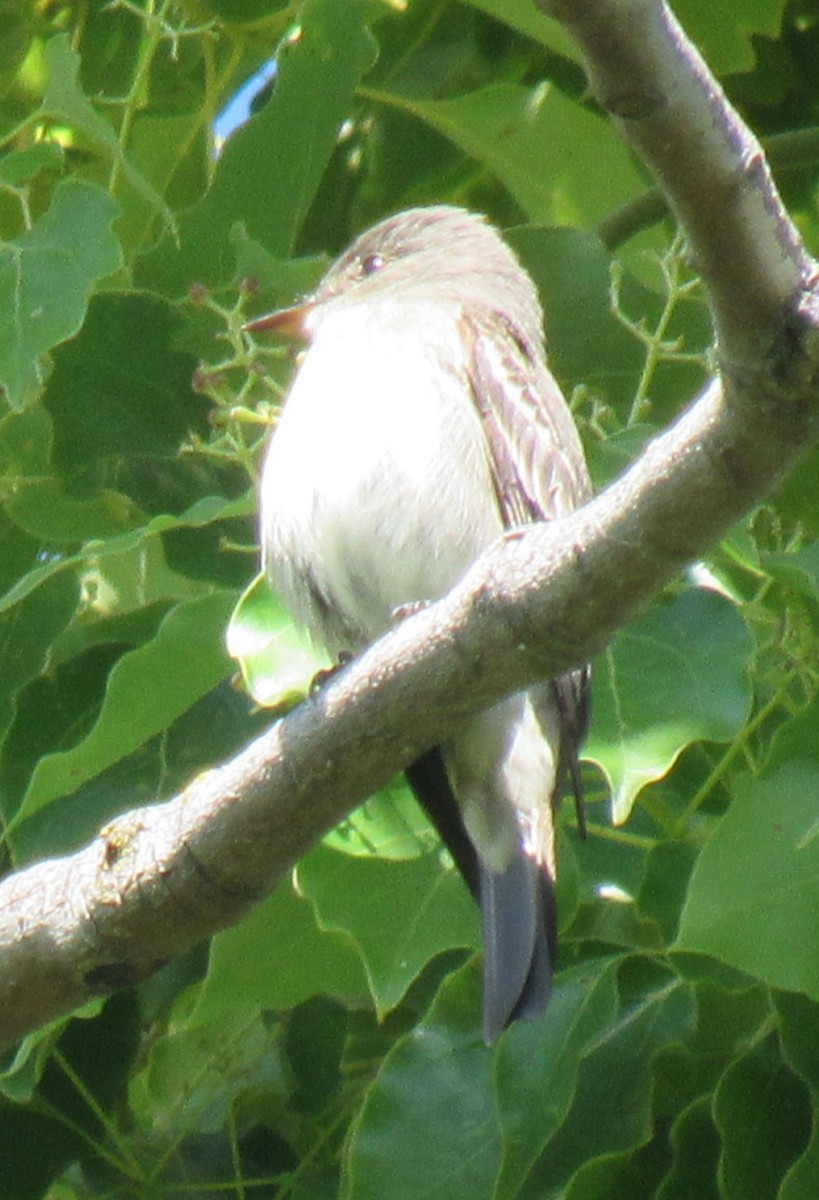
645	72
783	151
158	879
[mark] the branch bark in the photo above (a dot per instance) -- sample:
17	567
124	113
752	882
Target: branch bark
158	879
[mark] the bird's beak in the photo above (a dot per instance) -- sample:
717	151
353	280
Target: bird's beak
286	322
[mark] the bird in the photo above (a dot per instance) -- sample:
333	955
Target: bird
422	425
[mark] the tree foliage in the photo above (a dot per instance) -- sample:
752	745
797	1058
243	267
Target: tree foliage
330	1043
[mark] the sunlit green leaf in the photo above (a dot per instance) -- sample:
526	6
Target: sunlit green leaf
391	824
754	898
47	275
270	169
507	127
675	675
399	914
148	688
278	663
65	100
276	958
209	508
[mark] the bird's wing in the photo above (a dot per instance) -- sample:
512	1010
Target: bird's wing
539	474
537	462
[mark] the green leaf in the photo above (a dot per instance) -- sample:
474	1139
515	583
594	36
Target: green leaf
26	634
64	100
572	271
109	397
799	1025
41	507
674	676
270	169
206	510
47	275
428	1129
398	914
391	824
19	166
55	709
147	689
523	16
283	279
18	22
723	29
194	1075
664	885
795	740
796	496
611	1109
696	1147
277	958
753	901
760	1139
799	1182
538	1063
277	663
507	127
799	570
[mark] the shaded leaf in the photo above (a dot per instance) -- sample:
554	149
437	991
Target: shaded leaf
760	1139
696	1148
26	635
799	1025
538	1062
64	99
428	1129
611	1108
525	17
110	397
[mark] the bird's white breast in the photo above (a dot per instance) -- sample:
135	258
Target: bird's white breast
376	490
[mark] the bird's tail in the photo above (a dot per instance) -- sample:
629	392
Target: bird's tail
518	907
519	917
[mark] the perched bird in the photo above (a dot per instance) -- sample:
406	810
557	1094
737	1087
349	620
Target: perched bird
422	423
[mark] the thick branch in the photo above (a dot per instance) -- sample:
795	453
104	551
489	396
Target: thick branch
157	880
645	72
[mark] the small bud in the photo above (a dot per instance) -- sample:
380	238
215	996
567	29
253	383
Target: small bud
198	293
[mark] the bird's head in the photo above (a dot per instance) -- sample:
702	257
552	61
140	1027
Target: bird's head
440	253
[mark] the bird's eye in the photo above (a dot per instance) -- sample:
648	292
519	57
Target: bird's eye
371	264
